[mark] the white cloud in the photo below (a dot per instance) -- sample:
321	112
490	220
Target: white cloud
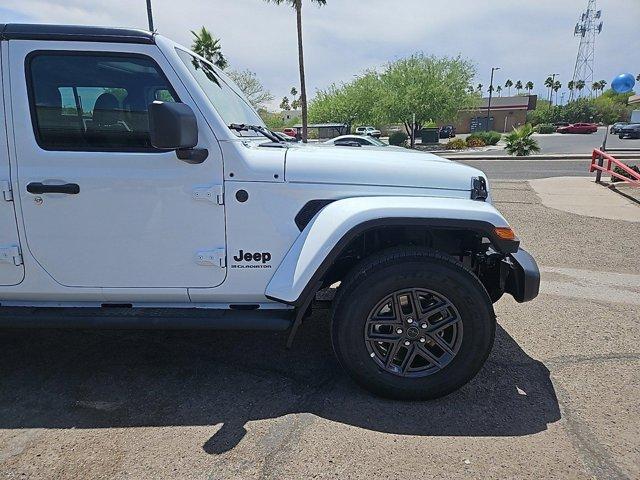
527	40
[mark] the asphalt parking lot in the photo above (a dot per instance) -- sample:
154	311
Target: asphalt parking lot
558	397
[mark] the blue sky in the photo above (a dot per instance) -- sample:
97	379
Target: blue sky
528	40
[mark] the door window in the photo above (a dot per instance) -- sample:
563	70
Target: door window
94	102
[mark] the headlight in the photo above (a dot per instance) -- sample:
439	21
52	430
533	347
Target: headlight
479	189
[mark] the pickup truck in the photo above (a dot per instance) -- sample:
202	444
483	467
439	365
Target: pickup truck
141	190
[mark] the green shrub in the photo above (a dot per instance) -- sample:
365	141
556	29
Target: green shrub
545	128
456	144
520	142
398	139
489	138
624	173
475	142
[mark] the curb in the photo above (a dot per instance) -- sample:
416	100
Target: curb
586	157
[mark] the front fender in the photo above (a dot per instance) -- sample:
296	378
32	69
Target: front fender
338	223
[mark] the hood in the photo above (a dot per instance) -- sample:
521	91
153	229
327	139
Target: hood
376	166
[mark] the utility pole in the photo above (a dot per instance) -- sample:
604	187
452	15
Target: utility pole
150	15
493	69
588	28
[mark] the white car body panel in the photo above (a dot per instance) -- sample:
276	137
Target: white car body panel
336	219
355	166
126	229
10	273
135	236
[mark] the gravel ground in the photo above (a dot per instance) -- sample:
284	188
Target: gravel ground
556	399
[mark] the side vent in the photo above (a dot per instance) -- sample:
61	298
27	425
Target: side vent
309	211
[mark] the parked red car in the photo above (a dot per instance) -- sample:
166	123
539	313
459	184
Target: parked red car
578	128
292	132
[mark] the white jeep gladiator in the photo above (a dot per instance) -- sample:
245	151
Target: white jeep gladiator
140	190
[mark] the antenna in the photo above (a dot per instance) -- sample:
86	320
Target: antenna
587	29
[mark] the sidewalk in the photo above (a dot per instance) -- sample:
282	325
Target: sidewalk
582	196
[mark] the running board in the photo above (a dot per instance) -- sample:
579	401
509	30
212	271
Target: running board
144	318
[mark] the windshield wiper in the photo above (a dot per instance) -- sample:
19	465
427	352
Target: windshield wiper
241	127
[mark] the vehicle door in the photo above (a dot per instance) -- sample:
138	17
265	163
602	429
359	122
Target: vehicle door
101	206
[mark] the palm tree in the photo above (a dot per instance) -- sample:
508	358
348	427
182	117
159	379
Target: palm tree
520	143
579	86
529	86
571	85
595	86
557	86
508	84
207	46
638	78
499	90
479	87
549	84
518	86
297	6
602	83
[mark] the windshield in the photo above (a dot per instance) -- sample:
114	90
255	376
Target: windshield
222	93
377	142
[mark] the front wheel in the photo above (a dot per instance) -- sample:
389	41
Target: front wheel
412	324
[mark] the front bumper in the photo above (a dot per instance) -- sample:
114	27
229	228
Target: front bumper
523	279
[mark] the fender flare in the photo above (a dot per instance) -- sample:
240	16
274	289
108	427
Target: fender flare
332	228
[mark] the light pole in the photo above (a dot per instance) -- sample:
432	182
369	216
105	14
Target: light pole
150	15
493	69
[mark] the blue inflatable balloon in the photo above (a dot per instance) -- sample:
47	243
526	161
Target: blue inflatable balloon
623	83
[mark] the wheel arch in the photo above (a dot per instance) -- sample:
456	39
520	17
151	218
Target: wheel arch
315	255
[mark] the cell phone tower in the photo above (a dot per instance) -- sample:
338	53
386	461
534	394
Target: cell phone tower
588	28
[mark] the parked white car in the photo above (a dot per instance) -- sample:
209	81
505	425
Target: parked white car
370	131
141	190
359	141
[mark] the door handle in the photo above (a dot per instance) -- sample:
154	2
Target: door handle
68	188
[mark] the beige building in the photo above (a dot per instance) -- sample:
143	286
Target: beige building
506	113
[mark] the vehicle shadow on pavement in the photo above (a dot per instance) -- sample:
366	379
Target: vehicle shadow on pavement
100	379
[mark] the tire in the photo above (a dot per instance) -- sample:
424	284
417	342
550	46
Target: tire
621	137
435	280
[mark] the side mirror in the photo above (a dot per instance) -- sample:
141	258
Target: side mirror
173	126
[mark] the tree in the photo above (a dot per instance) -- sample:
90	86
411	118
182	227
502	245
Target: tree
548	82
518	86
252	88
571	85
431	88
520	142
556	86
349	102
579	86
598	86
508	84
490	89
434	89
207	46
499	90
297	6
479	88
284	104
529	86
